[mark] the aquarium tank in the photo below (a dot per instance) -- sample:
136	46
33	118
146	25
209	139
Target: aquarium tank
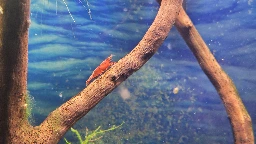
170	99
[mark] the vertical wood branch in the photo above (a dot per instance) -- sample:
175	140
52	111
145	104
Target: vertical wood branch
14	23
239	117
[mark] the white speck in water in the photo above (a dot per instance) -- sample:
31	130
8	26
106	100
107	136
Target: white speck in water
124	93
60	95
250	2
176	90
169	46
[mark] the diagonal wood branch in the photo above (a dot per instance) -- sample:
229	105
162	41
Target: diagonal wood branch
60	120
14	127
239	117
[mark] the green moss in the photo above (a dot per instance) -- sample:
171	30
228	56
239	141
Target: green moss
29	105
91	136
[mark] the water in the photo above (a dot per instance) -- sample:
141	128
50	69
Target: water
68	41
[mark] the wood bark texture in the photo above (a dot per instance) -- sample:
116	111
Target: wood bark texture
240	119
14	127
60	120
14	23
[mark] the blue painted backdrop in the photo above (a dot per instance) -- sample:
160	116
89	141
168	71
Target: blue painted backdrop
170	100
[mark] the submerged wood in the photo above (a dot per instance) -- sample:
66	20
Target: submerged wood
14	23
14	127
71	111
237	113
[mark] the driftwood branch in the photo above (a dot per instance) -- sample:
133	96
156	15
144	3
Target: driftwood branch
14	127
14	23
239	117
60	120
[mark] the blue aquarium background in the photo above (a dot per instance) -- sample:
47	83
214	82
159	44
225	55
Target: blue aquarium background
170	99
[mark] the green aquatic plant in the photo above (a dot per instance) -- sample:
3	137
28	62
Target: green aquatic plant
29	104
91	136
